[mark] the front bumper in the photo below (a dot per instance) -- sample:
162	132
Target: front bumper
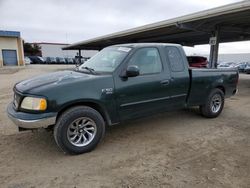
31	121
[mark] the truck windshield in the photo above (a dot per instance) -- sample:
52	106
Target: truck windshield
106	60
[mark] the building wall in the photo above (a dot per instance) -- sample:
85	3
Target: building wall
12	43
55	50
236	58
20	51
243	57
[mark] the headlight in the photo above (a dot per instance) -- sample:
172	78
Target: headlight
32	103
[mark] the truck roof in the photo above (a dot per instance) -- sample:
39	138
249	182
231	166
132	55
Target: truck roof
134	45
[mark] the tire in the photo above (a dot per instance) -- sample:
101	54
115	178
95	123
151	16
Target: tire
73	124
214	104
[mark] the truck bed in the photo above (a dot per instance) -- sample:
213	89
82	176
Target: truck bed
203	80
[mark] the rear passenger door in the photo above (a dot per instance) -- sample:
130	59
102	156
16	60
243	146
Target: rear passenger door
179	81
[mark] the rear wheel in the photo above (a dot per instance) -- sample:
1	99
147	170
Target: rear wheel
214	104
79	130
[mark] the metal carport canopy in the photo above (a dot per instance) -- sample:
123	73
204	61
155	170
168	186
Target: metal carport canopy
233	22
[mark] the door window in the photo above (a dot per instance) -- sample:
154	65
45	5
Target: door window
148	61
175	59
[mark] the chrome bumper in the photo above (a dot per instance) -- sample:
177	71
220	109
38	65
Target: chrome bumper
33	124
36	121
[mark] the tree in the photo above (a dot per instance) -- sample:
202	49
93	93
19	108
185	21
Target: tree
31	49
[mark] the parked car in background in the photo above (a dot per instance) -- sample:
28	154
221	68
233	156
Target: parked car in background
50	60
37	60
27	60
69	60
241	66
60	60
225	65
197	61
247	68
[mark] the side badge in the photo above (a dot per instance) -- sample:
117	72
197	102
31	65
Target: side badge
107	91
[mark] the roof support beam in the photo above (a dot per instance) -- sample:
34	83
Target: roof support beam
192	27
214	49
170	37
233	29
79	56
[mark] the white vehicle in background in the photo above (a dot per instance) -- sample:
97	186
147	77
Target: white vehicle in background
226	65
27	60
247	68
241	66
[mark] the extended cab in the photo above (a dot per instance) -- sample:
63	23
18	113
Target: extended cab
119	83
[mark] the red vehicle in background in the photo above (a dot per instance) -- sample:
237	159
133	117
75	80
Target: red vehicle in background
197	61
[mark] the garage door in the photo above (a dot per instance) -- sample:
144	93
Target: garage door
9	57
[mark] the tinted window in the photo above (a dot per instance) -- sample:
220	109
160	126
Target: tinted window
175	59
148	60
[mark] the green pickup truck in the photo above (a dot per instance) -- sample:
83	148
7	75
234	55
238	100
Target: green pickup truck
120	83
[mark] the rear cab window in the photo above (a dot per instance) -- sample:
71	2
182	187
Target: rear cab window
175	59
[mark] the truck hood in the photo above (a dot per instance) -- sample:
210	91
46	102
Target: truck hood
56	78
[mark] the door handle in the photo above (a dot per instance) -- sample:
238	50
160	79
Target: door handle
165	82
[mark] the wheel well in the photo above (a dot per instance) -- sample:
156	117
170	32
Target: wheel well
222	89
95	106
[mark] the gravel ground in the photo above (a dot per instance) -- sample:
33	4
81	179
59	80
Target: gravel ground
175	149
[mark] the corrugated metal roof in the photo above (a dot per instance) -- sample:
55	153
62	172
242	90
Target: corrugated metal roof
233	19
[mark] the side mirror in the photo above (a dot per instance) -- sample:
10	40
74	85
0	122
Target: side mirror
132	71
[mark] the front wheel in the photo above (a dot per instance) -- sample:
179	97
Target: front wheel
79	130
214	104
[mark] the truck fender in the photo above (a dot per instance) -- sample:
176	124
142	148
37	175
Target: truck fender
91	103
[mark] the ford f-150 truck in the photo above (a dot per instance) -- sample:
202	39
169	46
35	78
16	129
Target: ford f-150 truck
120	83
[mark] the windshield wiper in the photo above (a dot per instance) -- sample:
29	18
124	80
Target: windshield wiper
91	70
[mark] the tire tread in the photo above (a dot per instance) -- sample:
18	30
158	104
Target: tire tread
205	109
62	121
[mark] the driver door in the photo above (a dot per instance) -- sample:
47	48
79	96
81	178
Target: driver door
147	93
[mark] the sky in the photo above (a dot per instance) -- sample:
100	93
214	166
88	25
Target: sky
69	21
